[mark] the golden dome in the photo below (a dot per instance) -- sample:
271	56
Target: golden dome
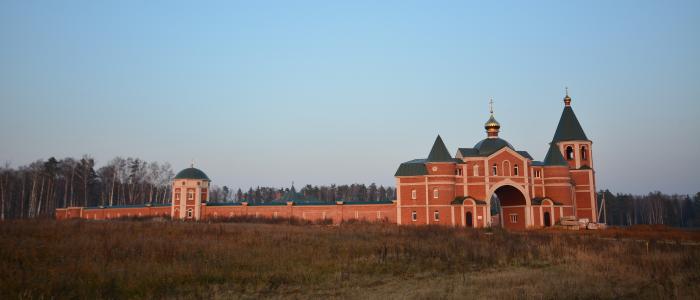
492	123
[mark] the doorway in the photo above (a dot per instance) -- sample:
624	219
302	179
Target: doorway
547	219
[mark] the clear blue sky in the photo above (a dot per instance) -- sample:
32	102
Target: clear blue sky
266	93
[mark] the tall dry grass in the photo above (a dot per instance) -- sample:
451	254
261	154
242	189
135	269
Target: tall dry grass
152	259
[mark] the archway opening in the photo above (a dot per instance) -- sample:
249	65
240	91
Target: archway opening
495	208
511	207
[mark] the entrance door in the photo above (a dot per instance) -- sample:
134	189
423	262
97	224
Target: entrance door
470	222
547	219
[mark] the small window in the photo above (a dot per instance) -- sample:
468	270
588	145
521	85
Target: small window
189	213
494	169
506	168
436	215
538	174
183	182
414	216
514	218
476	170
436	193
190	195
414	194
515	170
569	153
584	154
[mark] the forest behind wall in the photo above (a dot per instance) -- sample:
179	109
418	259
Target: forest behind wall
37	189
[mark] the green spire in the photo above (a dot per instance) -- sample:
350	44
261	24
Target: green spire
439	152
554	157
568	129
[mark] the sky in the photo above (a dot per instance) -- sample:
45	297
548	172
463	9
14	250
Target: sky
266	93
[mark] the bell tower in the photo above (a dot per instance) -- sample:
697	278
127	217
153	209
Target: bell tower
577	151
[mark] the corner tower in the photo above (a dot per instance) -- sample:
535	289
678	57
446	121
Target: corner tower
190	190
576	149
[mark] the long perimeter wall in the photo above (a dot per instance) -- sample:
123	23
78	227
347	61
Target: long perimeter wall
336	213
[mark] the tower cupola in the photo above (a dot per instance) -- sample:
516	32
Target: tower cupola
492	126
567	99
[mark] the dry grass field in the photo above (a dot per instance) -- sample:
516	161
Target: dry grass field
163	259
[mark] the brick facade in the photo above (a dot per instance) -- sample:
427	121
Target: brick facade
439	190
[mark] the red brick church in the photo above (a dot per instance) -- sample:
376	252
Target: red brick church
440	189
459	190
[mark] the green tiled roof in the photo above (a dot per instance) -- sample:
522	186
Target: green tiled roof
569	129
525	154
191	173
487	147
439	152
554	157
414	167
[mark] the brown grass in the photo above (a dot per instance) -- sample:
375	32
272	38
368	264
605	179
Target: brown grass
157	259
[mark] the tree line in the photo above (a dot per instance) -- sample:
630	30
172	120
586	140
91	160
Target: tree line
315	193
653	208
37	189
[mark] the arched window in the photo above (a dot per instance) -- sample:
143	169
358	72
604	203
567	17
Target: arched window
515	170
506	168
476	170
494	169
413	194
436	193
584	153
569	152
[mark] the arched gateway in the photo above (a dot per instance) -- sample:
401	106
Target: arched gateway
514	206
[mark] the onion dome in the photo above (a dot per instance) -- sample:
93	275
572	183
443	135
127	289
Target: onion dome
567	99
192	173
492	126
492	123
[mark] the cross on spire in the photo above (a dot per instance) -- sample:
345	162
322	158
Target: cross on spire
567	99
491	105
192	164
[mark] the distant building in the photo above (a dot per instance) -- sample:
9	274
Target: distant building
458	191
440	189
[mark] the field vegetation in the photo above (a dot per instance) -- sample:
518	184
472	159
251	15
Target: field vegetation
169	259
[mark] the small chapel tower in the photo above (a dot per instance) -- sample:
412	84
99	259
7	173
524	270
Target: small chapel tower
190	190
